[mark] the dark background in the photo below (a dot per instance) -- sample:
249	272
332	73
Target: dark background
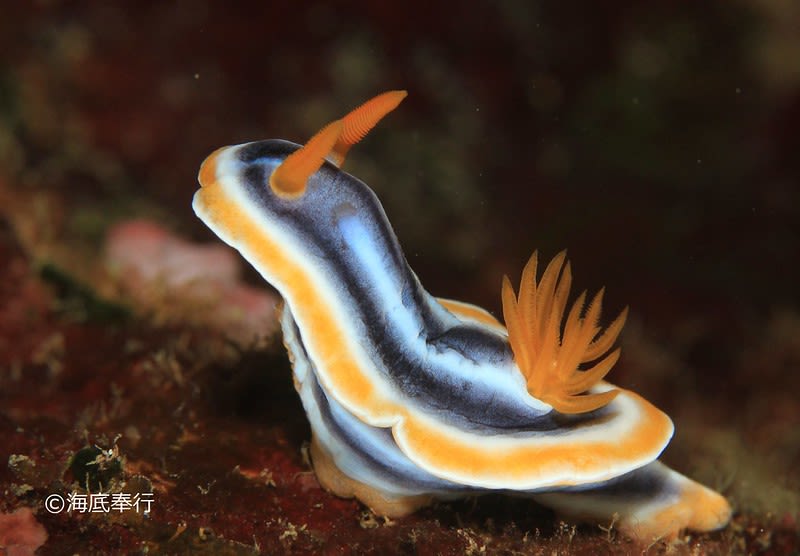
658	143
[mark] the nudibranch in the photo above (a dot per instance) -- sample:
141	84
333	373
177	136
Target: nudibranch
412	398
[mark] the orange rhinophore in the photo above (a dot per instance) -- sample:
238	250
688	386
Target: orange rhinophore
290	177
361	120
332	142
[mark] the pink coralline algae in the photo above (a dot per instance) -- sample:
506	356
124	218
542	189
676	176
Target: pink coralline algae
159	270
20	533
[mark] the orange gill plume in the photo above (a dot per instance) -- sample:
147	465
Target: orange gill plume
549	358
332	142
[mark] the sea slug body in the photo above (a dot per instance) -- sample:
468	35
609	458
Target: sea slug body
413	398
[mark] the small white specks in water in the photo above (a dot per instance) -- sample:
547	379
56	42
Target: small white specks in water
197	76
699	161
738	91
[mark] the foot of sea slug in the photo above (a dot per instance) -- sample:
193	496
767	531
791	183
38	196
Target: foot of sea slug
651	503
333	480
